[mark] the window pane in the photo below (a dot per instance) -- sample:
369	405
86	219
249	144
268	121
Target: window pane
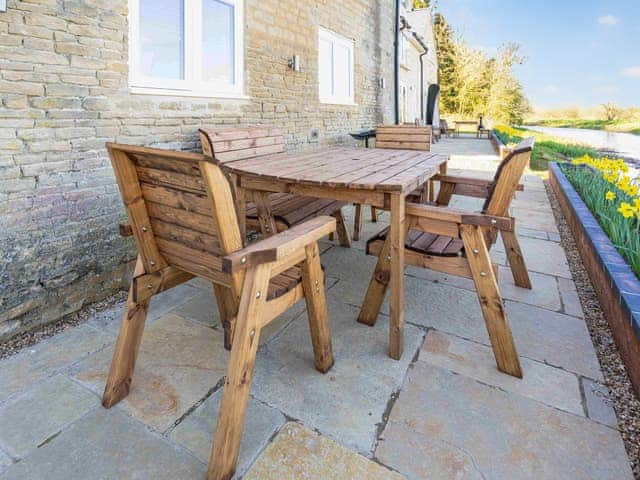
162	38
218	48
325	67
342	75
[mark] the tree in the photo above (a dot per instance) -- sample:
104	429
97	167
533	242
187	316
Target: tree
472	83
446	50
417	4
611	111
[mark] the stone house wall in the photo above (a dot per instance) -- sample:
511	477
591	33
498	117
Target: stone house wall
64	93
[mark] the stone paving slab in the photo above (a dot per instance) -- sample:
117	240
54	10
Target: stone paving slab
299	453
497	434
195	432
349	401
107	444
541	335
599	403
5	461
570	299
162	303
42	360
546	384
541	256
27	420
180	361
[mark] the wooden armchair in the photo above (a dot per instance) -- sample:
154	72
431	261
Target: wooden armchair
182	215
458	242
268	213
403	137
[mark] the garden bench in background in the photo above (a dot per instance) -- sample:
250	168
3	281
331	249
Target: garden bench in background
227	144
182	215
458	242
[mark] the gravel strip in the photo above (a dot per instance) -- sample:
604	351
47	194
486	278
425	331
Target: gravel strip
27	339
623	398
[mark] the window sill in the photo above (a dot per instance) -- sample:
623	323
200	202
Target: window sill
167	92
338	103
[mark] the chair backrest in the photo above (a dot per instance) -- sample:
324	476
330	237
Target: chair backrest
406	137
507	178
228	144
180	207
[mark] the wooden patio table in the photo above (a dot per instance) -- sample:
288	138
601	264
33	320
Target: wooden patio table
376	177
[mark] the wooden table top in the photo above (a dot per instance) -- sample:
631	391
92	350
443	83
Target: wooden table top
399	171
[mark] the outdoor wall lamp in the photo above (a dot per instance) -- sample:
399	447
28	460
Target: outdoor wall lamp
294	63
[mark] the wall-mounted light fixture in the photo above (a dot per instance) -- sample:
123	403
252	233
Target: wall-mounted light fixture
294	63
3	5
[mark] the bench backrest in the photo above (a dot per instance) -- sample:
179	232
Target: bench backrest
405	137
227	144
180	208
507	178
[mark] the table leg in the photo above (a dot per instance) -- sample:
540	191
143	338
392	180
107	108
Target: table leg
265	217
397	233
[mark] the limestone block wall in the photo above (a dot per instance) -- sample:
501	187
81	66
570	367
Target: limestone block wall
64	93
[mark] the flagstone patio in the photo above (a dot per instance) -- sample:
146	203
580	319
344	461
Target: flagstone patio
442	412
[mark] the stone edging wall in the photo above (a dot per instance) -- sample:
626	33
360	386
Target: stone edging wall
501	149
616	285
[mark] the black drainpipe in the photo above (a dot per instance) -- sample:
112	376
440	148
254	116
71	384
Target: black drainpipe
426	50
396	66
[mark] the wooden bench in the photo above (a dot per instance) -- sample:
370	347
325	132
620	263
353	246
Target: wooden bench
183	218
458	242
404	137
228	144
483	131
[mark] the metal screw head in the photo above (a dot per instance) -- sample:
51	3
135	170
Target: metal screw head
150	286
252	333
483	274
152	263
493	221
389	258
243	260
258	294
476	251
144	229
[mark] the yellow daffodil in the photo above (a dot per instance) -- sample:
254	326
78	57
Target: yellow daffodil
610	196
626	210
636	204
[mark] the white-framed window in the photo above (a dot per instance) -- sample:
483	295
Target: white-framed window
186	47
335	68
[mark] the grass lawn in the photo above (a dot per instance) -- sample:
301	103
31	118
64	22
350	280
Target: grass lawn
624	126
547	148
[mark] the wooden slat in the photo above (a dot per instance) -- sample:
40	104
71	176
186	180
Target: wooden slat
190	220
191	238
197	203
174	180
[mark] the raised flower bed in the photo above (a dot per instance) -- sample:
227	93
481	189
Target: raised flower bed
607	199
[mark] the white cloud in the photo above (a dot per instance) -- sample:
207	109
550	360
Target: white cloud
633	72
551	88
609	20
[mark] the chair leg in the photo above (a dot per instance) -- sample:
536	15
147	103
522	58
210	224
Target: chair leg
127	347
504	348
357	222
374	214
314	294
342	230
516	259
233	406
377	287
228	309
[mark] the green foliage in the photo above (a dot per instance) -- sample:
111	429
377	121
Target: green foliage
593	189
472	83
547	148
417	4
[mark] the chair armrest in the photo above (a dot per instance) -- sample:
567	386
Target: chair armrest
463	180
460	217
279	246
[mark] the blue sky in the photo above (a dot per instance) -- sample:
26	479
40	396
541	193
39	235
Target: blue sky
578	52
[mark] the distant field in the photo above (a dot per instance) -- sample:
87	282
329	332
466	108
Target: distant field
625	126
